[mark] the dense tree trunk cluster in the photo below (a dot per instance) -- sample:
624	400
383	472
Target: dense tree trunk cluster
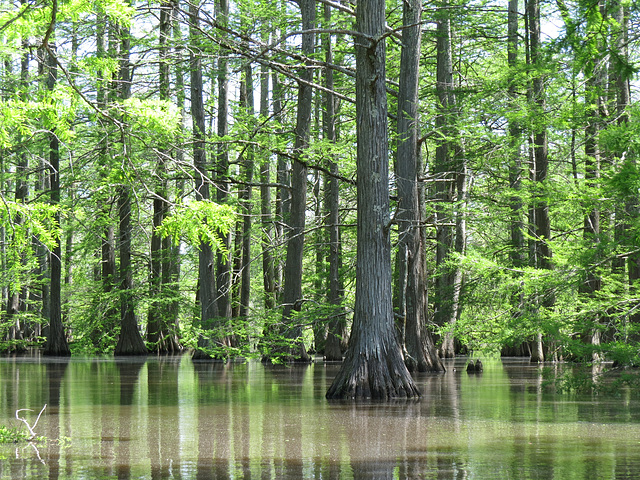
235	178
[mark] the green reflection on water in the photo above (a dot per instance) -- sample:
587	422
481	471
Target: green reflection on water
174	418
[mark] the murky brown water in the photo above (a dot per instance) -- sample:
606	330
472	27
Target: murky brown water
173	418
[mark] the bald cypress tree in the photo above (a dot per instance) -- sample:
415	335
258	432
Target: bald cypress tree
374	365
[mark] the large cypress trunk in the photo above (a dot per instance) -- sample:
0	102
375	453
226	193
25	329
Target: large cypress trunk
130	341
373	366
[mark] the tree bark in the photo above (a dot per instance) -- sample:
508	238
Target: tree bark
373	366
292	296
206	287
411	288
56	343
541	166
337	330
130	341
448	170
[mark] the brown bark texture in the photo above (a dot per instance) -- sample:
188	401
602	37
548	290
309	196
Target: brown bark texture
411	288
373	367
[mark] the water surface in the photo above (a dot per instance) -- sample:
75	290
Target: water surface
174	418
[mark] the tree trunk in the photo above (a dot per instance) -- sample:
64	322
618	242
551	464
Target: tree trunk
158	334
373	366
623	100
541	166
283	193
446	301
171	262
223	260
105	200
206	287
591	235
268	271
517	253
292	296
411	288
56	339
337	329
130	341
247	102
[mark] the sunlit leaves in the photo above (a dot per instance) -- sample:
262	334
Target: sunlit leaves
199	222
23	224
159	118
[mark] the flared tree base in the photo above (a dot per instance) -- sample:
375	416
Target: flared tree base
373	377
130	342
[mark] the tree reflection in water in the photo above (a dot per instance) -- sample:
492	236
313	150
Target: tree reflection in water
180	419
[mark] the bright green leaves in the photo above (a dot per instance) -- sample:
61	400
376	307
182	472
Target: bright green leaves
158	118
35	219
28	119
25	222
199	222
12	435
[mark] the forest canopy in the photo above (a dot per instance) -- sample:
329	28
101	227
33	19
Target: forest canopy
180	175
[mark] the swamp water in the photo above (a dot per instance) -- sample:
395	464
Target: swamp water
173	418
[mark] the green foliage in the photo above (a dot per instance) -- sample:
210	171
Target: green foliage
591	380
13	435
199	222
158	120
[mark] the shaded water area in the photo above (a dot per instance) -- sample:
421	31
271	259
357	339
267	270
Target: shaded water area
174	418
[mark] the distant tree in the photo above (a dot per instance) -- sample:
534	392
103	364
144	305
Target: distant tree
411	286
130	341
56	343
336	330
292	294
206	286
